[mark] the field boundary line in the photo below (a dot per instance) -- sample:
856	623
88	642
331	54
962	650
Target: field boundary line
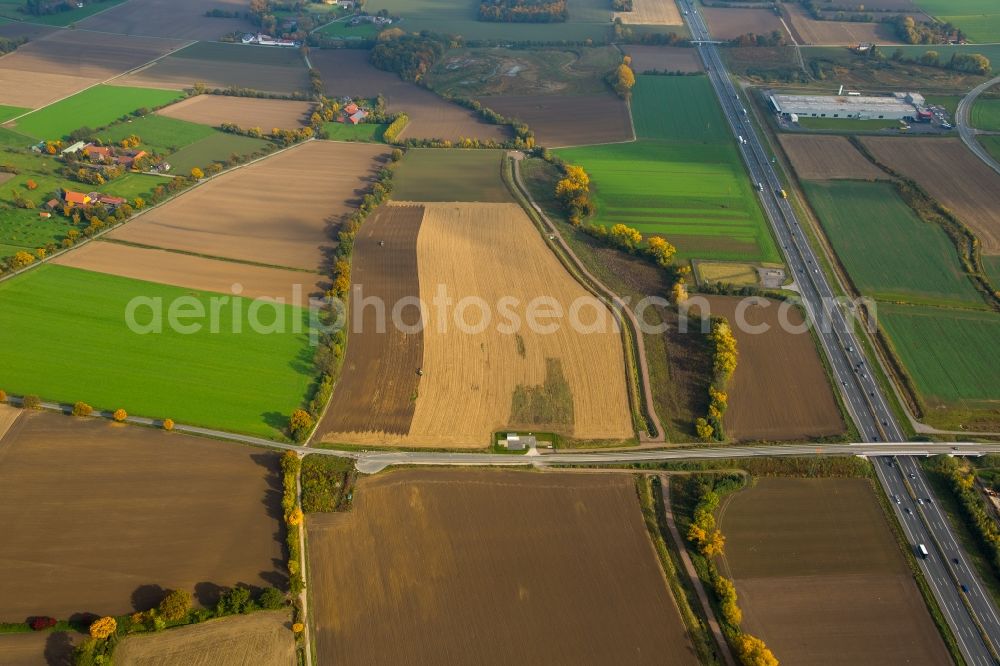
303	595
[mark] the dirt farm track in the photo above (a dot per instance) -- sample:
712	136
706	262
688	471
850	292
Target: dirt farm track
490	567
118	515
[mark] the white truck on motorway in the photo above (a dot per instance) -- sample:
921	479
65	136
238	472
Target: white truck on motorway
922	549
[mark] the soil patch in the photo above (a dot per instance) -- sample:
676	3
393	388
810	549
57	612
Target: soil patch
244	111
575	120
828	157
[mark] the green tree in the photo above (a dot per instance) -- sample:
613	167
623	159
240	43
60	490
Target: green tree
175	606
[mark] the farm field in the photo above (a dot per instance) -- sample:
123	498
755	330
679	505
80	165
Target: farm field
38	648
220	65
260	638
345	31
663	58
216	147
652	12
849	125
810	31
152	490
683	179
94	107
889	252
432	174
165	135
726	272
731	22
979	19
992	266
346	132
483	378
571	605
991	144
9	10
820	578
943	353
986	114
58	345
8	112
347	72
780	390
958	179
65	62
194	272
827	157
183	19
285	204
246	112
559	120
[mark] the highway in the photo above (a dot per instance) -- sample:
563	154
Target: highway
966	131
861	393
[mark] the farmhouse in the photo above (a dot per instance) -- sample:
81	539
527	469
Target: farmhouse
515	442
111	155
848	106
76	198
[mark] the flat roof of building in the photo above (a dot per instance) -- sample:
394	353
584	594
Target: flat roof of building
821	103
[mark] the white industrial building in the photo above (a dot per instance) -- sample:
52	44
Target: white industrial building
897	107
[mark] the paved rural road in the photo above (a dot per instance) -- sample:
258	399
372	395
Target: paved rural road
862	394
966	131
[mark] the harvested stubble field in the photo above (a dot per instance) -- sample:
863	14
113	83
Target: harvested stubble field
119	514
403	577
246	112
66	61
820	577
378	384
731	22
432	174
8	415
273	212
194	272
651	12
498	375
258	639
348	72
779	390
953	176
559	120
726	272
808	30
827	158
183	19
659	58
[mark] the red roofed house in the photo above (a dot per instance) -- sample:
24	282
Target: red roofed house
98	153
129	158
357	116
351	109
107	200
75	198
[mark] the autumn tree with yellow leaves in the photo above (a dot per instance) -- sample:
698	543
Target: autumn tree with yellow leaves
573	193
103	627
622	78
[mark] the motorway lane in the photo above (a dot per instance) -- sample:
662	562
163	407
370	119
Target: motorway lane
966	131
862	395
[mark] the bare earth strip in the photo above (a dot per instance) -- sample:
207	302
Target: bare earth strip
812	31
258	639
119	513
170	18
490	567
827	157
8	415
731	22
348	72
953	176
669	58
199	273
68	61
820	577
244	111
652	12
38	648
567	120
779	390
378	383
274	212
470	376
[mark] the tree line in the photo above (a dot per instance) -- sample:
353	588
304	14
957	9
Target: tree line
523	11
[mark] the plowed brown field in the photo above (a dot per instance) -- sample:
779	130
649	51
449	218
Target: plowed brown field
491	567
730	22
379	380
570	120
244	111
192	272
64	62
258	639
953	176
670	58
472	371
8	415
273	212
119	512
779	390
820	577
810	31
827	157
38	648
170	18
348	72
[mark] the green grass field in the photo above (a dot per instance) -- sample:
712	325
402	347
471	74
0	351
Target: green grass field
8	112
992	266
945	51
992	144
683	179
986	114
25	230
64	338
8	9
13	139
948	353
848	124
341	30
94	107
979	19
890	253
362	132
216	147
433	174
159	133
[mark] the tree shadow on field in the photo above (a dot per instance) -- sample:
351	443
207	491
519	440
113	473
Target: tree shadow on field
58	649
208	594
147	596
275	578
304	361
276	420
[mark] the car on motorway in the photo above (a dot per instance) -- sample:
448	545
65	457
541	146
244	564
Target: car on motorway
907	509
965	588
896	497
954	560
912	475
